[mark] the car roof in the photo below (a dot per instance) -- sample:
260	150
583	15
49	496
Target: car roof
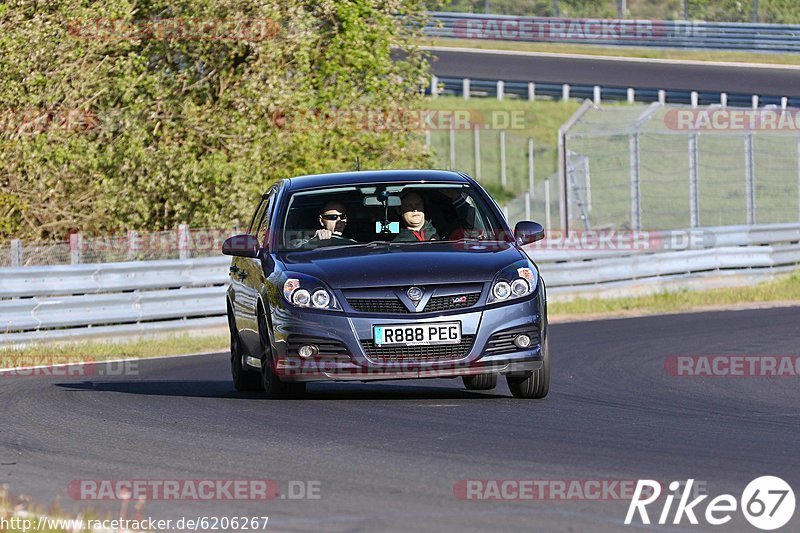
364	177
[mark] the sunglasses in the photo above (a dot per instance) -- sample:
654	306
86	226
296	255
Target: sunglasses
335	216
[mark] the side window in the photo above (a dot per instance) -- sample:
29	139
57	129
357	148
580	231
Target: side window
262	206
262	229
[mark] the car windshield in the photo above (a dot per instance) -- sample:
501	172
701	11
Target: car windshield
396	213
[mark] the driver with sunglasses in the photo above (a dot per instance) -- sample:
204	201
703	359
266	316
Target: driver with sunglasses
333	219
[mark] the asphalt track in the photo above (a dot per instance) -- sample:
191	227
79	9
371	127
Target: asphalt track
479	64
387	455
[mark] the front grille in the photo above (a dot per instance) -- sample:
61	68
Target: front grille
327	347
503	341
435	352
377	305
445	303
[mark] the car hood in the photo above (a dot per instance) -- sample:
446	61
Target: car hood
380	265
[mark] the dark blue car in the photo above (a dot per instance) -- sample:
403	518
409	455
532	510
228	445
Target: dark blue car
385	275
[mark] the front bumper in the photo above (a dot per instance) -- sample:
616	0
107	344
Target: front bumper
351	331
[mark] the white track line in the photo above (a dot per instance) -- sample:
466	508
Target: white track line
100	361
619	59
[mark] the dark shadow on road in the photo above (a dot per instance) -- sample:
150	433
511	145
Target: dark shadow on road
315	391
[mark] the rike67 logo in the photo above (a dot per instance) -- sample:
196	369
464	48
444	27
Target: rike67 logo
767	502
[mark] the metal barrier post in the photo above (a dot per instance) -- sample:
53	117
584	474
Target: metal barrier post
750	178
75	248
16	253
530	165
183	241
503	178
465	88
476	139
694	204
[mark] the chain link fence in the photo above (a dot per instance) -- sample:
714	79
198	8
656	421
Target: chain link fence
669	167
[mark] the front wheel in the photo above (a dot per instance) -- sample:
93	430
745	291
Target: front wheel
273	387
534	384
243	381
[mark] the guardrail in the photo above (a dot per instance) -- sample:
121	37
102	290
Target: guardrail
529	90
120	299
640	32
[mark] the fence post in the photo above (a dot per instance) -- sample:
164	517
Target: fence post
476	140
133	244
596	94
75	248
750	178
565	92
547	203
16	253
530	165
531	91
500	89
434	86
588	179
452	145
662	96
427	137
183	241
784	102
694	99
723	99
465	88
503	178
631	95
636	209
755	101
527	205
694	204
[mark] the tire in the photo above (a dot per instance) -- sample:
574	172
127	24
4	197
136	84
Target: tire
272	385
243	380
535	384
480	382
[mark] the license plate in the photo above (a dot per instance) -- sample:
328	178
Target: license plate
417	334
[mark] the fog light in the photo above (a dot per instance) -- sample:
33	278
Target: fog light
522	340
308	350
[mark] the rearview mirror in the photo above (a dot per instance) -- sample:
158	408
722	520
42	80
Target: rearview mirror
527	232
374	201
241	246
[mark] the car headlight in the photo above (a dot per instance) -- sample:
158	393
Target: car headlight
511	283
306	291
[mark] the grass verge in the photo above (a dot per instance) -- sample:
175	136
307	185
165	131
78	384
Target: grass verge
785	289
102	350
622	51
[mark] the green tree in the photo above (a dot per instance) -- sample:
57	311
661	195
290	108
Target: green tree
179	129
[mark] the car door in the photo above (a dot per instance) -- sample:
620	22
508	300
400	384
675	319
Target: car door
251	276
238	276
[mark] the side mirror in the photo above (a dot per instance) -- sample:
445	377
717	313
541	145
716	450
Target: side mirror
527	232
241	246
